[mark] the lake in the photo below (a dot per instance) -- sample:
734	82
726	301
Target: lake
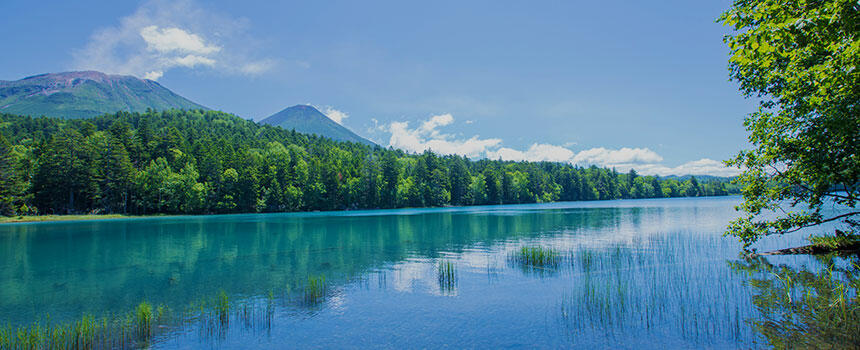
628	274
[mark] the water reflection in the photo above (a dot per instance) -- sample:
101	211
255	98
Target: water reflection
808	306
640	273
112	265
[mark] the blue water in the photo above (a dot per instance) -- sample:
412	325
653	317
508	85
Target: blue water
632	274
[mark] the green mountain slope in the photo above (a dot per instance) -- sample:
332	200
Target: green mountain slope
86	94
309	120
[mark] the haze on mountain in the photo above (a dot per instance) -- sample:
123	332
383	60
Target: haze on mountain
307	119
86	94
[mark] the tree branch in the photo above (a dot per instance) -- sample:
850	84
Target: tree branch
818	222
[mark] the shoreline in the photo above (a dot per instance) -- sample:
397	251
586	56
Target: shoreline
72	217
92	217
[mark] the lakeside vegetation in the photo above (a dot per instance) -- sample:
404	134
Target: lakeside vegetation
199	162
799	59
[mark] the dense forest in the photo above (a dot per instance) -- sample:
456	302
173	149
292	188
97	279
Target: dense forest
212	162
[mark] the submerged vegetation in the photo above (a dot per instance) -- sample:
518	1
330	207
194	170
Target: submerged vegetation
197	162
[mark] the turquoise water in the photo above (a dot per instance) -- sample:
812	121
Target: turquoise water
634	274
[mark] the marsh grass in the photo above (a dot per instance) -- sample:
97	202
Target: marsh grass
446	274
536	258
132	330
143	320
621	287
211	318
315	290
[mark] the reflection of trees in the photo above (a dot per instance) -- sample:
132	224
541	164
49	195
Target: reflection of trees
106	266
804	308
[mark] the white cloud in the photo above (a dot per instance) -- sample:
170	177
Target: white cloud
334	114
430	126
607	157
192	61
153	75
429	136
175	39
162	35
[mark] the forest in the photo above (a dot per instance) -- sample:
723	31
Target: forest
201	162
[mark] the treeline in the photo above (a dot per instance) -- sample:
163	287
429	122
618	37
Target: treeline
212	162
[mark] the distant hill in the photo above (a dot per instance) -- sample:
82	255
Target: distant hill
700	178
86	94
307	119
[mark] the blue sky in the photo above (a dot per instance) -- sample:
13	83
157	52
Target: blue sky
636	84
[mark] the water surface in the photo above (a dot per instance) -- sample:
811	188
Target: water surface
636	273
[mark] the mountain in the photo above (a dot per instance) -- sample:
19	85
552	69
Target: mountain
86	94
308	120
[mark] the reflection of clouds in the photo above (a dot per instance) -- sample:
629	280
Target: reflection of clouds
475	258
410	273
336	302
421	276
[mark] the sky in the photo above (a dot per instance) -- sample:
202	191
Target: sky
623	84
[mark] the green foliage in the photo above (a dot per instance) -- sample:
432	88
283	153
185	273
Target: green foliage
11	186
800	58
196	162
837	242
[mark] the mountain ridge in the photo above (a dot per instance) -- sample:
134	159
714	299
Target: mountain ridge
82	94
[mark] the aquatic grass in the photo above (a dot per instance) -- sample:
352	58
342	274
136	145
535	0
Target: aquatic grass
315	291
143	320
446	274
585	259
536	257
222	307
124	332
627	286
138	327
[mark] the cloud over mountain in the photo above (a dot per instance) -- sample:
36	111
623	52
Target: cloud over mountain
163	35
